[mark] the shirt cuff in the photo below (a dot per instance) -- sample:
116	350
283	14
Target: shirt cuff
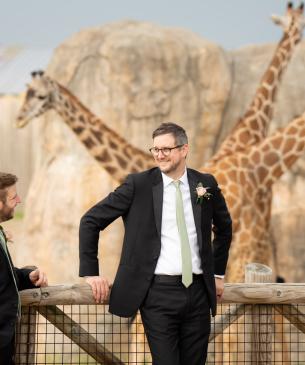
219	276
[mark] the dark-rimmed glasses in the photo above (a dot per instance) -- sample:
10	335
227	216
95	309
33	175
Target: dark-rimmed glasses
165	151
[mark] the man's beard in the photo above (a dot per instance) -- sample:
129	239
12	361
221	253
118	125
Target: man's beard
170	168
6	214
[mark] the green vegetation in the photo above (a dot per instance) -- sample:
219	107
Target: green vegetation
19	215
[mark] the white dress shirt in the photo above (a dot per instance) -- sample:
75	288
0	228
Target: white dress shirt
169	262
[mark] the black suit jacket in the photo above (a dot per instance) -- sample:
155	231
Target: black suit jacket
139	201
9	296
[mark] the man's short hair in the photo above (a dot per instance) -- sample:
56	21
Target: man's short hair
174	129
6	180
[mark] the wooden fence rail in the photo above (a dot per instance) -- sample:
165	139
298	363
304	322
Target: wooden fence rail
262	296
256	293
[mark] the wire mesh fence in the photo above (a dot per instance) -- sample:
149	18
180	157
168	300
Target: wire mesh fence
88	334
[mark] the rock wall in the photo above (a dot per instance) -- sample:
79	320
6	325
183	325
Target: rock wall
133	75
136	75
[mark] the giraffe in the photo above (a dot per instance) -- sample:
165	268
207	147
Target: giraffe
259	167
115	154
256	168
246	178
252	127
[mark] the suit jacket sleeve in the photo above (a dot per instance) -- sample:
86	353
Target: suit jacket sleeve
116	204
23	279
222	229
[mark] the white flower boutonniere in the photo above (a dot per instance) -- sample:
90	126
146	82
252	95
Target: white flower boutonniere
202	192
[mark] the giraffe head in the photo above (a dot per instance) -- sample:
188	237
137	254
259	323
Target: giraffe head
38	99
292	21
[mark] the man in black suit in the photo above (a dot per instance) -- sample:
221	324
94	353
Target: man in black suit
11	279
168	268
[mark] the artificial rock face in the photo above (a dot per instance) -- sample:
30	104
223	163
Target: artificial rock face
134	76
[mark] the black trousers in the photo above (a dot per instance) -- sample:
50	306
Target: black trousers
7	353
177	321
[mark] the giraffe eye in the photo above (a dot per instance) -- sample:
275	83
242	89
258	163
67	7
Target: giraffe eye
41	97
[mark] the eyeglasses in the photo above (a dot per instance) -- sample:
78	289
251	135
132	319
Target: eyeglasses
165	151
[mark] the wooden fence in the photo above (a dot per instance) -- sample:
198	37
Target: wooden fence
257	301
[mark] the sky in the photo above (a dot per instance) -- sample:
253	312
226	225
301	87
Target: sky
229	23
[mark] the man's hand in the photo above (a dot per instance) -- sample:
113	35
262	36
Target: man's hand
38	278
100	287
220	285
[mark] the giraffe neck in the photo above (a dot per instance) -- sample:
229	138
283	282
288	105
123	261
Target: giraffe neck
253	126
113	152
276	154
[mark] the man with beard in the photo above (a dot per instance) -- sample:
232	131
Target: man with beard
168	269
11	279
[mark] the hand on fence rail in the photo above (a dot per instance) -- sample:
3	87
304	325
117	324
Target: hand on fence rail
100	287
220	286
38	278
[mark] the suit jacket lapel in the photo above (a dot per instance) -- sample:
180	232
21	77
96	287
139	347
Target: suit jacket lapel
197	209
3	243
157	190
4	248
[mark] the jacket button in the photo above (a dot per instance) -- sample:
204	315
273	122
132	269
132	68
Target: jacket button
148	278
156	257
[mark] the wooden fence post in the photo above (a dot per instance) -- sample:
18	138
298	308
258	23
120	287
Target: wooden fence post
261	330
25	337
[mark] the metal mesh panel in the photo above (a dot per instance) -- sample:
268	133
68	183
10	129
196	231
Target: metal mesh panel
88	334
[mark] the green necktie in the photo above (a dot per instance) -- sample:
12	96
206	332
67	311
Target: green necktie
187	272
4	246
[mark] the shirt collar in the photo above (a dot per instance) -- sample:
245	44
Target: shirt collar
168	180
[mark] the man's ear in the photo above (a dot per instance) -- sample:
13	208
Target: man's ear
186	148
1	204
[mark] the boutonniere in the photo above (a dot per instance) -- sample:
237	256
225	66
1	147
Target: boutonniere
202	192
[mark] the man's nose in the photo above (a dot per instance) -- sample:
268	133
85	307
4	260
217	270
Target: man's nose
160	154
18	200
